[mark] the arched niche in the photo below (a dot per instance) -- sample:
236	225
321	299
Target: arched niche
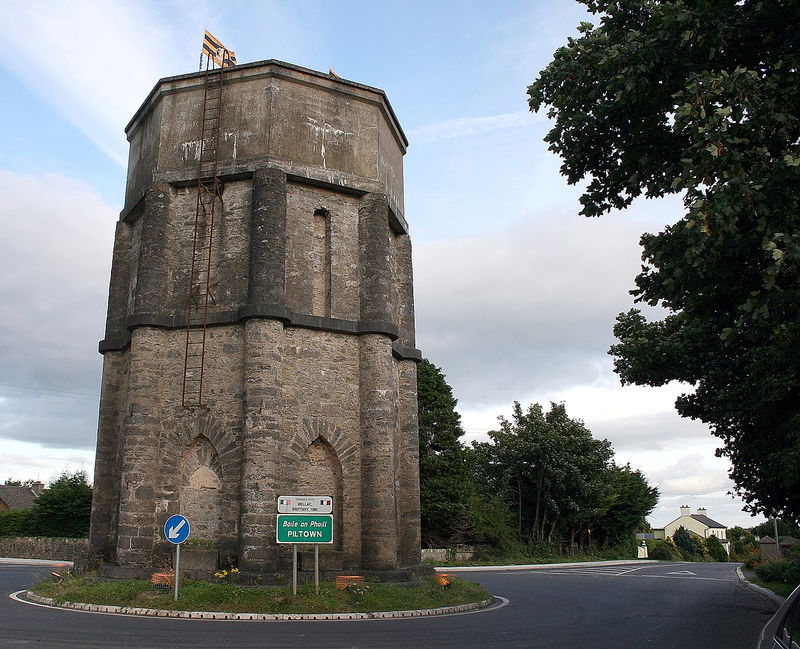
201	489
320	473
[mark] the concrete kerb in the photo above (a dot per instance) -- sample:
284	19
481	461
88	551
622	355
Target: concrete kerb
35	562
544	566
259	617
764	591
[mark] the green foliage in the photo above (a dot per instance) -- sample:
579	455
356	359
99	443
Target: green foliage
689	547
628	500
743	543
663	551
444	480
558	482
19	483
752	560
779	570
556	471
491	524
16	522
700	100
714	547
63	510
786	527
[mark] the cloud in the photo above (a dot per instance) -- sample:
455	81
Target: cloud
527	309
21	460
94	62
56	251
465	126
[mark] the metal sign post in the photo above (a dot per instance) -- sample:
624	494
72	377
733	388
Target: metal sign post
316	568
176	531
177	568
294	568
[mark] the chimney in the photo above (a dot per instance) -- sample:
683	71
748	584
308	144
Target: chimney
701	511
37	488
685	510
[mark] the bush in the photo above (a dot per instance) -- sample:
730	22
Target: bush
779	570
663	551
715	549
16	522
64	508
751	560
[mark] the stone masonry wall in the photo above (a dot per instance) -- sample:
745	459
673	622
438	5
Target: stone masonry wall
53	549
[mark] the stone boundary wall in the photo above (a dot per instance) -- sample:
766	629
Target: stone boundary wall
459	554
55	549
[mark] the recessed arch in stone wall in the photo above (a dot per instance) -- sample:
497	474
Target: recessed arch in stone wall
201	488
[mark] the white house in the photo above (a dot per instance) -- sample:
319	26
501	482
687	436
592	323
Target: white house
699	524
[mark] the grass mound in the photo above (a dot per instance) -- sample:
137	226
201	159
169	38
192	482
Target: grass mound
231	598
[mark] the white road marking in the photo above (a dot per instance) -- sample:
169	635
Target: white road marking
611	571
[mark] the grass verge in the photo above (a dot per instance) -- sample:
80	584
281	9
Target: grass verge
779	588
230	598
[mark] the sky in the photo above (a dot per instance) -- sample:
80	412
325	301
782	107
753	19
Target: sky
516	294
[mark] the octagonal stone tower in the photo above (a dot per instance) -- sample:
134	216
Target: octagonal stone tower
309	367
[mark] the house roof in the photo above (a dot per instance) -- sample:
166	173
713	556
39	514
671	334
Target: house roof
17	497
786	541
705	520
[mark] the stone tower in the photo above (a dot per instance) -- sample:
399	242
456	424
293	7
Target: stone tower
309	370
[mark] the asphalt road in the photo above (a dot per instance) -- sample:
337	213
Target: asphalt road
671	605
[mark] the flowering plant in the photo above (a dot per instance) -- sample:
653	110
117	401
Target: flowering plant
222	575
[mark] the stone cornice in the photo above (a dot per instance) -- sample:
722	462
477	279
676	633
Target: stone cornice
266	311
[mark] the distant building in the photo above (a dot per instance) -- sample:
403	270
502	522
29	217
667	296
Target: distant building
12	497
698	524
766	544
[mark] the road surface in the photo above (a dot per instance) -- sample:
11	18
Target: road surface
672	605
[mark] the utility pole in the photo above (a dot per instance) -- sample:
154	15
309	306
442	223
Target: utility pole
777	542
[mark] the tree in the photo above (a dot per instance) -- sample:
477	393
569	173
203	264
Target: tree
628	501
444	481
556	470
700	99
715	548
743	543
64	508
785	528
690	549
19	483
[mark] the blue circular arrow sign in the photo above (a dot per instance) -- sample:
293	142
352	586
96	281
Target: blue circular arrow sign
176	529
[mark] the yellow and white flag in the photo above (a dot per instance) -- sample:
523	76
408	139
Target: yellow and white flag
216	51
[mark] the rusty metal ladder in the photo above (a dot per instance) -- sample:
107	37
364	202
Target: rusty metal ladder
209	197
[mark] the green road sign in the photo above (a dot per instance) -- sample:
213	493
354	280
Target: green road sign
304	528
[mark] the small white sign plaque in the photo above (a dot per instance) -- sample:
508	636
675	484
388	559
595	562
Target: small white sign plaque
305	504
